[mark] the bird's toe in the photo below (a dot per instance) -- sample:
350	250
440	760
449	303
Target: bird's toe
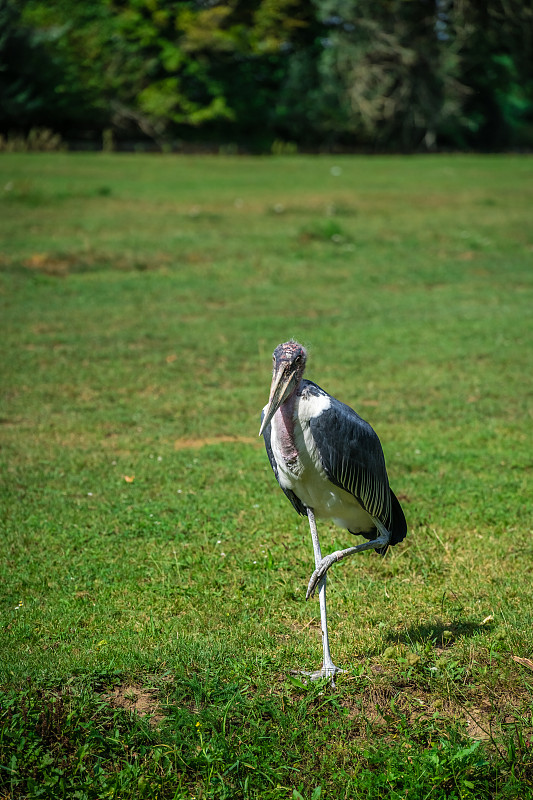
313	582
319	573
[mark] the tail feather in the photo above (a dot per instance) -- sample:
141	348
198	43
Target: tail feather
399	525
398	529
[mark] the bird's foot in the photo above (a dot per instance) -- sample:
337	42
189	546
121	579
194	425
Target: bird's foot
338	555
320	571
319	674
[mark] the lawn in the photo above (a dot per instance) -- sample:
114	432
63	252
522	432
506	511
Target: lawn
153	573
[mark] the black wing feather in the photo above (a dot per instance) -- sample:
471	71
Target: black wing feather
353	459
297	503
352	456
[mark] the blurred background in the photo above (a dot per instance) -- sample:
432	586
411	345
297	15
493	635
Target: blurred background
262	76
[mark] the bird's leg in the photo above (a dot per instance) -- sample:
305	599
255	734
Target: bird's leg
325	563
329	669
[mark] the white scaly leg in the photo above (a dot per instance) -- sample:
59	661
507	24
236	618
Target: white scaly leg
329	670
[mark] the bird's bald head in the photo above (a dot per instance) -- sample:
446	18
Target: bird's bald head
290	354
288	365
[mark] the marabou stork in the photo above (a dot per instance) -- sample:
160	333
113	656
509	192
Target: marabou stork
330	464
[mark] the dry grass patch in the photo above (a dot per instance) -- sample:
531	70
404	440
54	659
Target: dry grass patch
61	265
195	444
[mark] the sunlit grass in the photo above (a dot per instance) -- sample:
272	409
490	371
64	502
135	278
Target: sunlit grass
145	541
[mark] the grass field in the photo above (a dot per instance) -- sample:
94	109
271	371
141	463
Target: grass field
153	574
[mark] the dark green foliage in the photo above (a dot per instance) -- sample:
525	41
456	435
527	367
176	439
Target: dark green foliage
495	40
39	79
391	74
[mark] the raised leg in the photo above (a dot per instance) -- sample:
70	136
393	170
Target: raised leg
329	669
325	563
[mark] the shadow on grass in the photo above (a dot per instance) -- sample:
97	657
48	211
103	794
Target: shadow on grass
443	634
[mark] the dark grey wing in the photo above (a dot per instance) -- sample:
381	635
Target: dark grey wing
297	503
353	459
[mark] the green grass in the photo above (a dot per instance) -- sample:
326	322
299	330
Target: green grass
141	298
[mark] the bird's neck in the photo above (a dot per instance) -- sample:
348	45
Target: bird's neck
284	421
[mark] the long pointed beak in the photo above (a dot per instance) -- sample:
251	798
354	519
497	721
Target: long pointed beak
283	383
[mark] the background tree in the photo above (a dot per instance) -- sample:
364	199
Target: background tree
379	74
495	43
39	77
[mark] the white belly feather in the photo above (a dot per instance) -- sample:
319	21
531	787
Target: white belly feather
305	476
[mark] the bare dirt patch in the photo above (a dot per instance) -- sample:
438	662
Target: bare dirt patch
191	444
136	698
